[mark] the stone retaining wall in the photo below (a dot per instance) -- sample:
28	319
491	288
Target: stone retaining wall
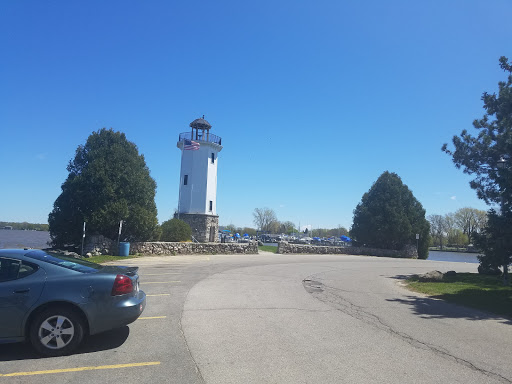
284	247
168	248
100	245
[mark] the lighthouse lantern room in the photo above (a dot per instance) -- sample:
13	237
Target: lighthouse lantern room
197	204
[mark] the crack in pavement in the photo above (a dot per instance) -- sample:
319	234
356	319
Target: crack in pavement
328	295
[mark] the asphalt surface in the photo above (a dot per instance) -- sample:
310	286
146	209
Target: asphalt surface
283	319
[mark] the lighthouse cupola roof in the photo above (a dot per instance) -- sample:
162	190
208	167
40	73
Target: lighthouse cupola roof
200	132
200	123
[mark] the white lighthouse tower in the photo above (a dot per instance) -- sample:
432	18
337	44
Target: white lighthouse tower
197	204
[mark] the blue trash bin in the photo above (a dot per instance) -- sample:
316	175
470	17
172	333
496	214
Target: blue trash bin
124	249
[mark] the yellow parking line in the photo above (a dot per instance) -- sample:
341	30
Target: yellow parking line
154	317
160	282
160	294
79	369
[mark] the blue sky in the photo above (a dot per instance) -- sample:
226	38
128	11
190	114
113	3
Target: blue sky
313	99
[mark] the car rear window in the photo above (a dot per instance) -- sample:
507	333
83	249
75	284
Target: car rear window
68	262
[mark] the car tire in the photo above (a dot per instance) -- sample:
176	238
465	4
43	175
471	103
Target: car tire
56	331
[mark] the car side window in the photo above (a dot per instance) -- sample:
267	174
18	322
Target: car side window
27	269
12	269
9	269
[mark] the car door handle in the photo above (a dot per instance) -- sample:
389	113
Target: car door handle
23	290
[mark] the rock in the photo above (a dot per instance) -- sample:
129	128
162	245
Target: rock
431	276
87	255
451	274
69	254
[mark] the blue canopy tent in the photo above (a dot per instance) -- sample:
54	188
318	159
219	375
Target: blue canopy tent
237	235
346	239
246	235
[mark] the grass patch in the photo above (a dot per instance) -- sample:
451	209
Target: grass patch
267	248
469	289
104	258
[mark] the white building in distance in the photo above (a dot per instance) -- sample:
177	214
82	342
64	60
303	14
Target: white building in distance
197	204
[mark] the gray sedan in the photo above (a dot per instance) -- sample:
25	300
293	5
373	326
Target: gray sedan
54	301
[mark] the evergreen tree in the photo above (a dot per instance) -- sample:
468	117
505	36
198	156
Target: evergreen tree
488	156
496	242
480	155
389	217
108	181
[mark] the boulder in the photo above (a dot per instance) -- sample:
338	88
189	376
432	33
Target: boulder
451	274
431	276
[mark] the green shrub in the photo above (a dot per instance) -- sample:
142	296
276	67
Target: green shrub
175	230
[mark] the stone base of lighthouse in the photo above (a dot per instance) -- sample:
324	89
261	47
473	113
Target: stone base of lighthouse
205	228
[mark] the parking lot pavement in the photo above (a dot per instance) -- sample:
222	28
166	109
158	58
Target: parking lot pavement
271	329
152	349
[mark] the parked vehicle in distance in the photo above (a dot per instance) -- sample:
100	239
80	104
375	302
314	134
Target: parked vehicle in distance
54	301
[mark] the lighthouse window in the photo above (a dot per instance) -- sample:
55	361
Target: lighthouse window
213	158
211	205
185	180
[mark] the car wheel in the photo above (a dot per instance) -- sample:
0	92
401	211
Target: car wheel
56	331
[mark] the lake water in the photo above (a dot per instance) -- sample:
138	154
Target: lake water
458	257
23	239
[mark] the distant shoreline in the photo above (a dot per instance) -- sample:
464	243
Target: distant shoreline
12	229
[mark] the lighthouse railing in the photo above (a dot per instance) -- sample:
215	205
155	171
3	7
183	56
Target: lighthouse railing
209	138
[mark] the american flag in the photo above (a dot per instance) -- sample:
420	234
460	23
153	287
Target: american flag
190	145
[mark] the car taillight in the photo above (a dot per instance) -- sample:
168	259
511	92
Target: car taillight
122	285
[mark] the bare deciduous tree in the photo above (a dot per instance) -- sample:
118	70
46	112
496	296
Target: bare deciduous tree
470	221
438	228
264	219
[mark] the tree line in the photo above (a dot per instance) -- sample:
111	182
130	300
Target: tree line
266	221
458	229
24	226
